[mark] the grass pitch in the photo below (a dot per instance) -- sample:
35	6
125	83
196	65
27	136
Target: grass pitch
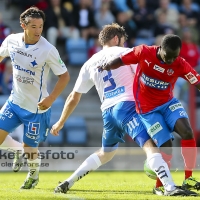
95	186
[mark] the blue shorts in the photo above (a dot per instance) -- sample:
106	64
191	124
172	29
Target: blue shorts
36	125
119	120
161	121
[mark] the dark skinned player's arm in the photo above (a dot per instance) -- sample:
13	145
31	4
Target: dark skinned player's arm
198	86
113	64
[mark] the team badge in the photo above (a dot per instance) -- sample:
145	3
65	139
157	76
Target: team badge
170	72
191	78
34	63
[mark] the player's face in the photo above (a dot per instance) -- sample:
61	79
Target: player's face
33	30
168	55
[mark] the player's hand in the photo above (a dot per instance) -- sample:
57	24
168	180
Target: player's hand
104	67
45	103
56	128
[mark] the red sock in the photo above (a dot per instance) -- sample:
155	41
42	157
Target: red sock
189	153
167	158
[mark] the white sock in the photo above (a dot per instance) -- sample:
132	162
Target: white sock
12	145
160	167
90	164
34	167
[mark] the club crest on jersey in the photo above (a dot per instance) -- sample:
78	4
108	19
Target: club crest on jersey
170	72
159	69
191	78
33	64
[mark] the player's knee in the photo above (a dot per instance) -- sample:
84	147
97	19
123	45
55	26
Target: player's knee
105	156
166	147
187	134
3	135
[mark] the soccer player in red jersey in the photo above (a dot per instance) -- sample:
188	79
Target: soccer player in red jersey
158	70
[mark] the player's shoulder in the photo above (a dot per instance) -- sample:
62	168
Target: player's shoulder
14	36
148	48
181	61
46	44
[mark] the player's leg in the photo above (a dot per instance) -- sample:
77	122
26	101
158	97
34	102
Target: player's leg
166	152
33	161
36	128
177	120
9	121
110	139
92	163
159	166
135	129
160	133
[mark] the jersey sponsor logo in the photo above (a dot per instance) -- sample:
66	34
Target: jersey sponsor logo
175	106
154	83
159	69
191	78
24	70
148	63
24	54
25	80
170	72
155	128
115	92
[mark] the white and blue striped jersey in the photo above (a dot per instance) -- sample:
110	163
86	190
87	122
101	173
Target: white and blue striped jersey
31	65
113	86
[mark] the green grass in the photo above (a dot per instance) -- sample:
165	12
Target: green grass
96	185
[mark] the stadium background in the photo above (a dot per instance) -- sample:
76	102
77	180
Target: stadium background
145	24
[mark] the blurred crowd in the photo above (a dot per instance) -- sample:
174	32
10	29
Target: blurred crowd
145	22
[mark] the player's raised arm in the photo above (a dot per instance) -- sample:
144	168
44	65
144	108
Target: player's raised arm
113	64
62	82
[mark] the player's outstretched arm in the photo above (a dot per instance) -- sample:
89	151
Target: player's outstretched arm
113	64
70	104
59	87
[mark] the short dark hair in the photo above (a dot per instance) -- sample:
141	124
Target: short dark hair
171	41
32	12
110	31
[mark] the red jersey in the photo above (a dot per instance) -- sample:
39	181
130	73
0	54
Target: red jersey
154	80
